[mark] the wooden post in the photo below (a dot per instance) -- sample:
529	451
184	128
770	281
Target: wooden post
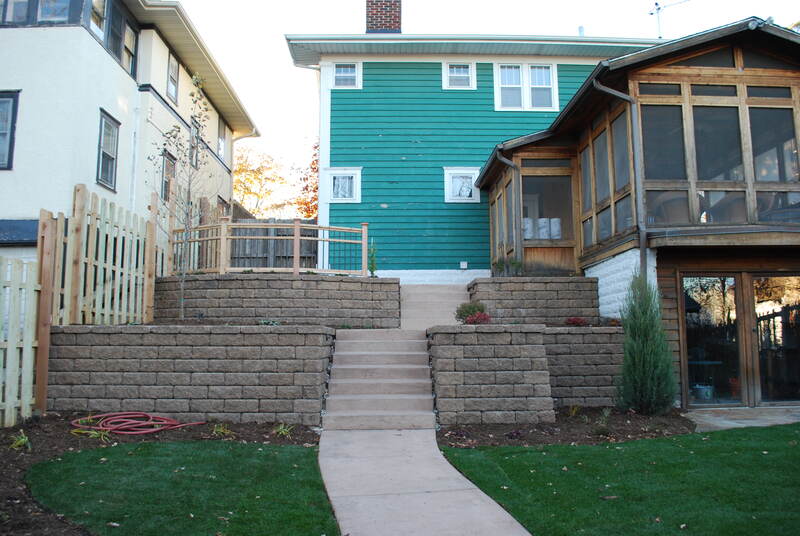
47	246
75	255
364	250
149	270
224	256
296	248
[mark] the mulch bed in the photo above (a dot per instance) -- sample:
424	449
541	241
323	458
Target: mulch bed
589	426
50	436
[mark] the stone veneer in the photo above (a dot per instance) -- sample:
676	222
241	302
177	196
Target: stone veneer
231	373
518	373
250	299
584	364
536	300
490	374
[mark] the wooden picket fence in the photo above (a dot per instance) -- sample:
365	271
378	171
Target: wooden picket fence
103	262
19	301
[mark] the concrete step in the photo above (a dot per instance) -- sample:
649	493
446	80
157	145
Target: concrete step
380	358
398	403
379	335
406	345
378	420
379	387
380	372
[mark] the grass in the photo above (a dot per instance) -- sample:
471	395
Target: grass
734	482
191	487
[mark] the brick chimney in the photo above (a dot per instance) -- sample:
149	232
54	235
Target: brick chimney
383	16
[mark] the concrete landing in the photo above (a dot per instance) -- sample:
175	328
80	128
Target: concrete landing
711	419
425	306
393	482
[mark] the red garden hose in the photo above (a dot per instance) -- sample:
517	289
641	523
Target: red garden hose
130	423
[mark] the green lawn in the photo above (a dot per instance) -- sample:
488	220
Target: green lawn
744	481
188	488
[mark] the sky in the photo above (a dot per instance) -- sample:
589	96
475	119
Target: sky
246	37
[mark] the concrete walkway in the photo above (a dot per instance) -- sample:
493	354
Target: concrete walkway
396	482
708	420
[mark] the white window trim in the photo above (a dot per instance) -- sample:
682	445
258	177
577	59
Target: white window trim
354	171
358	75
446	75
526	87
449	172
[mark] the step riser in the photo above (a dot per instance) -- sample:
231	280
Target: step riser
381	335
387	404
382	422
379	388
370	373
383	346
372	359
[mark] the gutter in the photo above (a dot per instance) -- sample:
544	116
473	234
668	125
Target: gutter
518	253
637	169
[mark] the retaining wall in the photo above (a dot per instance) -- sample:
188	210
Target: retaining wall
251	299
490	374
231	373
537	300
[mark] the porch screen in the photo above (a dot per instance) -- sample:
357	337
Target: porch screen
546	208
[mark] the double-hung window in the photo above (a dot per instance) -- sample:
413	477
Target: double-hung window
525	86
459	185
222	138
347	76
122	38
167	175
97	20
194	144
344	185
107	151
173	74
458	75
15	12
8	120
53	11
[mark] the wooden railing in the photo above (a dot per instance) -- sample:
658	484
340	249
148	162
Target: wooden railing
226	247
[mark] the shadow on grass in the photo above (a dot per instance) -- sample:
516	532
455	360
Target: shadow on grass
188	488
734	482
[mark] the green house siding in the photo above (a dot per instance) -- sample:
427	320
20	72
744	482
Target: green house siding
403	128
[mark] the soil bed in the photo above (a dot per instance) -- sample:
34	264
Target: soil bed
586	427
50	436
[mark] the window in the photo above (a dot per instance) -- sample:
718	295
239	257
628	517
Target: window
718	146
344	185
458	75
619	135
107	153
525	87
8	122
129	50
122	37
722	207
459	185
601	185
510	214
712	90
588	233
173	74
769	92
753	59
194	144
604	224
662	136
586	181
53	11
778	207
659	89
546	207
667	207
347	76
222	138
16	11
623	213
167	175
717	58
774	145
98	17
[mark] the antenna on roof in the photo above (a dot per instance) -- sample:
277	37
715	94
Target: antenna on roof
658	8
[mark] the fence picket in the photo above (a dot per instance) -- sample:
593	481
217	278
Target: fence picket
11	380
28	339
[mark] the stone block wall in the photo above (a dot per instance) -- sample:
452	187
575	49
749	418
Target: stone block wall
191	373
490	374
537	300
584	364
252	299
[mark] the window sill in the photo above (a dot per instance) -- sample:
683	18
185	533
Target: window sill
462	201
554	110
345	201
108	187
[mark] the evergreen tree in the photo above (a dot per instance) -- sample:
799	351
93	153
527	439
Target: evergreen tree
648	383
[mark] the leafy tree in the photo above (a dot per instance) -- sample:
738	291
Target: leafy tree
256	177
308	200
648	383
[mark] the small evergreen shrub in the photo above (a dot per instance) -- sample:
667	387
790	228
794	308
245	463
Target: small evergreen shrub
478	318
465	310
648	383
